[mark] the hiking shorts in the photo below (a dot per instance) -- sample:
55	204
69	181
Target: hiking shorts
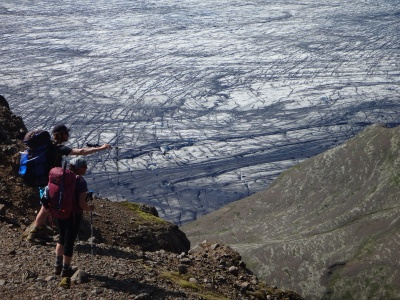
68	232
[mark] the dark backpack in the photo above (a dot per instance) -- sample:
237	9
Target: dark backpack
35	160
61	192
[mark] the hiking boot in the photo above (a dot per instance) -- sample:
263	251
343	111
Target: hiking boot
38	234
58	269
65	283
67	272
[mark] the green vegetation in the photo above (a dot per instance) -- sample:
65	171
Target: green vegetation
283	175
252	264
237	215
224	229
144	216
335	277
297	167
183	281
259	294
373	190
395	180
348	296
369	281
286	270
366	247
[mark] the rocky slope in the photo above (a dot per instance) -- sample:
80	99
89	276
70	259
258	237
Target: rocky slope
134	255
328	228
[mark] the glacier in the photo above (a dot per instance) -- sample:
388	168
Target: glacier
205	102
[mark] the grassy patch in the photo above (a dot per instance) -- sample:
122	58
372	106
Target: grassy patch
258	294
366	248
183	282
368	282
286	270
348	296
224	229
396	180
144	216
335	277
373	190
252	264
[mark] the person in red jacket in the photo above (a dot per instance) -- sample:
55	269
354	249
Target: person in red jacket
69	227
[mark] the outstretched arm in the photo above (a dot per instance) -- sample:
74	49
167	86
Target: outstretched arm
86	151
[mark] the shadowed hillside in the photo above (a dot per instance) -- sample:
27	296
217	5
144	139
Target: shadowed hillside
328	228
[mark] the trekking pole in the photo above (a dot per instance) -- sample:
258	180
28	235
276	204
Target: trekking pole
91	240
90	197
117	150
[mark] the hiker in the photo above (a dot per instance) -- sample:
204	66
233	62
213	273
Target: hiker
69	226
57	150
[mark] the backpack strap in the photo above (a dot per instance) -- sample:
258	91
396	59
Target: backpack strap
62	186
41	154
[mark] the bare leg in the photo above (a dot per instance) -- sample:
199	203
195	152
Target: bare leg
37	233
67	260
41	217
59	250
